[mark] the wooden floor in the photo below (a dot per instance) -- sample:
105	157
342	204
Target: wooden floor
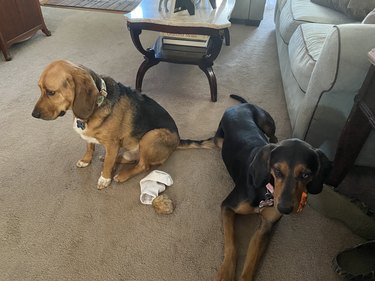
122	6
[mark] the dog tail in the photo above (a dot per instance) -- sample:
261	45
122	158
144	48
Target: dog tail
187	144
240	99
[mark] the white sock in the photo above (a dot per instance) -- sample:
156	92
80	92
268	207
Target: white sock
153	184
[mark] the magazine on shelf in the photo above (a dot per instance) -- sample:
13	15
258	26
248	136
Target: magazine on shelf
175	49
194	40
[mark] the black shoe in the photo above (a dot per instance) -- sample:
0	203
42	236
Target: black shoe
357	263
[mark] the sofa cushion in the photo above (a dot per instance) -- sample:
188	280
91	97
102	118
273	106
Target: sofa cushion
338	5
297	12
370	18
358	9
304	49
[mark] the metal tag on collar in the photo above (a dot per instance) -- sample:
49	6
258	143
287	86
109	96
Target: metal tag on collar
103	90
268	202
103	94
270	187
100	100
81	124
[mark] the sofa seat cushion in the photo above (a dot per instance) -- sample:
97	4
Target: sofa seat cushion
304	49
296	12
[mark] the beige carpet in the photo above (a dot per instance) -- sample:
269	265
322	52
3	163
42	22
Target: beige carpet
54	223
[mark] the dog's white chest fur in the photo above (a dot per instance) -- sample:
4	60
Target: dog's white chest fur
81	131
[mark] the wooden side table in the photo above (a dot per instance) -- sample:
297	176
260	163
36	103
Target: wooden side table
19	20
358	126
205	21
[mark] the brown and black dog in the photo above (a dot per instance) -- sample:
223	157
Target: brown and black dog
290	169
108	113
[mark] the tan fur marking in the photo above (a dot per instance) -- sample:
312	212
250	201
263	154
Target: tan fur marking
219	142
244	208
301	186
298	169
279	183
258	242
227	269
57	78
90	148
155	147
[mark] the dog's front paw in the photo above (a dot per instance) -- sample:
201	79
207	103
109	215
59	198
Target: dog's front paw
82	164
103	182
226	273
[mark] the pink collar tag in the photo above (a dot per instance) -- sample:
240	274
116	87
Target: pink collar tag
270	187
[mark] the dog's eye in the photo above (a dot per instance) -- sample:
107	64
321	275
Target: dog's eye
277	173
305	175
50	93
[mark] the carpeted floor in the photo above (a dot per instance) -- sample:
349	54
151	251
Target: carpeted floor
55	224
122	6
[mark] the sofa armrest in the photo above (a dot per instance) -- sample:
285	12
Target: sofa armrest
335	80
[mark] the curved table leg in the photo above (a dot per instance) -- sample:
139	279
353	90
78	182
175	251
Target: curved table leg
227	37
4	49
146	65
211	79
213	4
45	30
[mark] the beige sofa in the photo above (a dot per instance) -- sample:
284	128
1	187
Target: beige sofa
323	62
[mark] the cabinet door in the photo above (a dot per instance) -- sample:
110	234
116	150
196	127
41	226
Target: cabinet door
18	17
30	13
10	21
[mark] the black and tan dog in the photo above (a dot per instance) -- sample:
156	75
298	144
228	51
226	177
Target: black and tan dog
289	169
109	113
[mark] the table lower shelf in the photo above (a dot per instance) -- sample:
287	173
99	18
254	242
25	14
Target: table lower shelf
179	53
203	57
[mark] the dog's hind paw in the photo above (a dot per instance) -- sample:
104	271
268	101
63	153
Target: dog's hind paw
119	178
82	164
103	182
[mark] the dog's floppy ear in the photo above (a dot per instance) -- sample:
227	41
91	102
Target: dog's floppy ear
316	185
85	94
259	170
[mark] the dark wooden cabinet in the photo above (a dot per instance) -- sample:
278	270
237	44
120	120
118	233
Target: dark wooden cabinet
19	20
360	123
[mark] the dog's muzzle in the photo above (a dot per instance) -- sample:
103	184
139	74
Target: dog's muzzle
37	114
284	209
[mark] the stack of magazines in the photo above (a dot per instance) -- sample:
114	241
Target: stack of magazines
185	42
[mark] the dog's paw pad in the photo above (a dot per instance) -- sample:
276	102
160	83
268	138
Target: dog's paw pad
82	164
103	182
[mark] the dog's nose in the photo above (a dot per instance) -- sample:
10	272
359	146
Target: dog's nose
36	114
284	209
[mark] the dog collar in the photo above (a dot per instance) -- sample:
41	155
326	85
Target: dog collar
103	94
81	124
